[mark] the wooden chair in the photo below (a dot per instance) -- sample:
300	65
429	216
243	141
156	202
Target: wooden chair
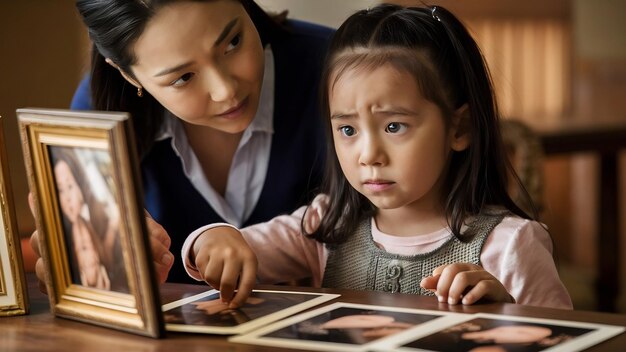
526	155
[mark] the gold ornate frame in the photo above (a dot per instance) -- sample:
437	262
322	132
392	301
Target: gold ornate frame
138	311
13	291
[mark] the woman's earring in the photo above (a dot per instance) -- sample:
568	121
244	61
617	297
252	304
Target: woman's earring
140	92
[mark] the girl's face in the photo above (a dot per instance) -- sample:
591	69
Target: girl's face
204	62
392	144
70	195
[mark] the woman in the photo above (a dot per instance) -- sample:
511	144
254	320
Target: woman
224	107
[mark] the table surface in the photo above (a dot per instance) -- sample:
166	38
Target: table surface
41	331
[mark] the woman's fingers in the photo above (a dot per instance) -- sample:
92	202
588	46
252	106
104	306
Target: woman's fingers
31	203
157	232
34	243
160	243
40	271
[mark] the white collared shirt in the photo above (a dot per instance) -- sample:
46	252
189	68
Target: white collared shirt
250	162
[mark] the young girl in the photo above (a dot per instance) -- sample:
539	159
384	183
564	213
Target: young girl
415	195
224	106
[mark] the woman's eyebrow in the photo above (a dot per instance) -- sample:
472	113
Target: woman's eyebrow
167	71
226	31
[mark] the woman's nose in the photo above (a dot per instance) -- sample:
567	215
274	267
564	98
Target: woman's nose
222	86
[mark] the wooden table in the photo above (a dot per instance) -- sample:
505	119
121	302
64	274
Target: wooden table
606	139
41	331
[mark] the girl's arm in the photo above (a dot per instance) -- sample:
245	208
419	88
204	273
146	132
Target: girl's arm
219	253
516	266
519	254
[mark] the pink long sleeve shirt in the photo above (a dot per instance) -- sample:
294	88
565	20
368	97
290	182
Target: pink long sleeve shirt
518	252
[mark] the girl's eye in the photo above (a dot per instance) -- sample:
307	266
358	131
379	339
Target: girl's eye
347	131
395	127
234	43
182	80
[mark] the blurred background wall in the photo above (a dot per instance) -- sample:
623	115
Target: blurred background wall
43	54
551	61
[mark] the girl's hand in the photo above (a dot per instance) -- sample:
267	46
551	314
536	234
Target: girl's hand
223	257
465	283
160	244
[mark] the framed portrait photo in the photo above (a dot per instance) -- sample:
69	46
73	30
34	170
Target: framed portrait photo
13	291
83	173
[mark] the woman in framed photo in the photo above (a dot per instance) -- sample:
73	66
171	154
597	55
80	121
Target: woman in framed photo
91	226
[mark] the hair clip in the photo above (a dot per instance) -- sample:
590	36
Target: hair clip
432	13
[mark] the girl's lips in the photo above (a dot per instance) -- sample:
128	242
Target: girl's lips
378	186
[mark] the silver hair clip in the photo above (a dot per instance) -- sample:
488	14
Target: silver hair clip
432	13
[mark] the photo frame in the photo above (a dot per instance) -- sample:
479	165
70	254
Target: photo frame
205	313
83	172
13	289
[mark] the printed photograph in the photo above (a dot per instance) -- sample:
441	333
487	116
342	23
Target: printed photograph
340	327
91	216
205	312
499	333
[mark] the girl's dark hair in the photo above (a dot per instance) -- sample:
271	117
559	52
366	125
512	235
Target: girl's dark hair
114	26
433	46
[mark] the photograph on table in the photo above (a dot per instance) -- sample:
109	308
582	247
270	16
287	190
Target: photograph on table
490	332
205	312
83	174
341	327
13	291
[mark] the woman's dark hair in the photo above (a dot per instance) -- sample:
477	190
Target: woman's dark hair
431	45
114	26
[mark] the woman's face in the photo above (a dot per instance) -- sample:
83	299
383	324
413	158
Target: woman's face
70	195
203	61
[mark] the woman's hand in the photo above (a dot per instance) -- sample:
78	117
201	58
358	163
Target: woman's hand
160	244
465	283
223	257
40	269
